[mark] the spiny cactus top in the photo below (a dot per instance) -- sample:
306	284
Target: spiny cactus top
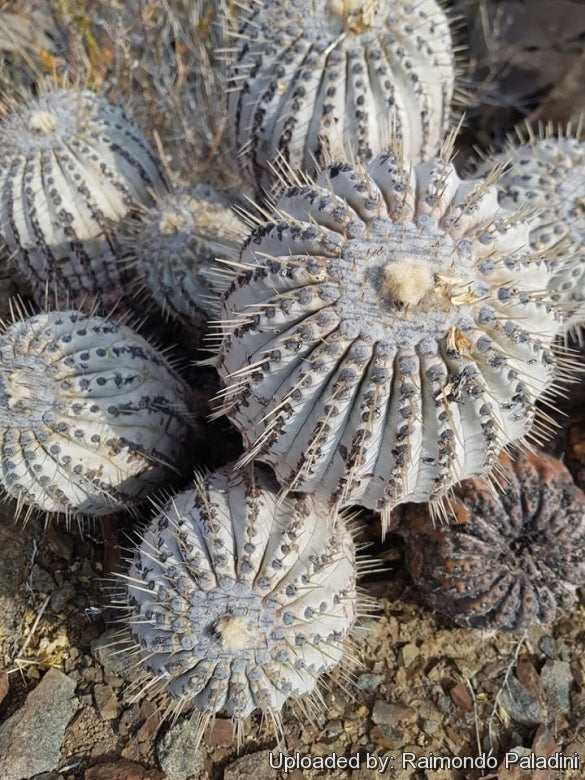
390	335
313	77
241	599
92	418
513	557
71	165
173	247
550	171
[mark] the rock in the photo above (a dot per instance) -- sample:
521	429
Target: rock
369	682
388	737
461	697
61	597
557	679
106	701
27	745
520	705
407	654
251	767
177	751
122	770
106	650
388	713
4	686
16	549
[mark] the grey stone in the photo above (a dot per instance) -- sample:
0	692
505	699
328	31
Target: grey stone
16	549
27	745
369	682
557	680
61	597
520	705
177	751
251	767
107	651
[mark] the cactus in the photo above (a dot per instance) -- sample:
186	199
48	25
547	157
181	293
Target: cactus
71	166
549	170
172	248
387	335
513	557
310	80
92	418
240	599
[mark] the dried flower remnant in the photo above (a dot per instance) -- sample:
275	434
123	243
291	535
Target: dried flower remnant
514	556
240	599
72	165
92	417
312	79
386	334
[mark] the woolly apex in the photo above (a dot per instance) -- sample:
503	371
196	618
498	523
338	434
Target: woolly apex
240	599
386	334
92	417
172	248
315	81
548	172
513	557
71	166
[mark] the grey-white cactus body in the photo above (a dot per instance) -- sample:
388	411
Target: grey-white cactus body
549	172
92	418
174	247
71	166
390	335
315	81
240	598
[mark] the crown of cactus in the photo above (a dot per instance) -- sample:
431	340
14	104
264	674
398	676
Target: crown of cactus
240	599
550	171
173	245
72	165
513	557
309	79
386	334
92	417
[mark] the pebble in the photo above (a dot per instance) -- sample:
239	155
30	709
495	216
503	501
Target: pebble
122	770
557	680
106	701
369	682
177	751
407	654
520	705
251	767
61	597
16	549
389	713
27	746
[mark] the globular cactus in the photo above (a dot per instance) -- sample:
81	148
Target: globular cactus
549	171
239	598
311	80
388	334
513	557
71	165
173	246
92	417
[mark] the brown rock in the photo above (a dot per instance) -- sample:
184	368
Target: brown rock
461	697
4	686
122	770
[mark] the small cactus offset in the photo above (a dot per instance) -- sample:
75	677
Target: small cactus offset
513	557
72	165
92	417
172	248
240	599
313	80
549	171
388	334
